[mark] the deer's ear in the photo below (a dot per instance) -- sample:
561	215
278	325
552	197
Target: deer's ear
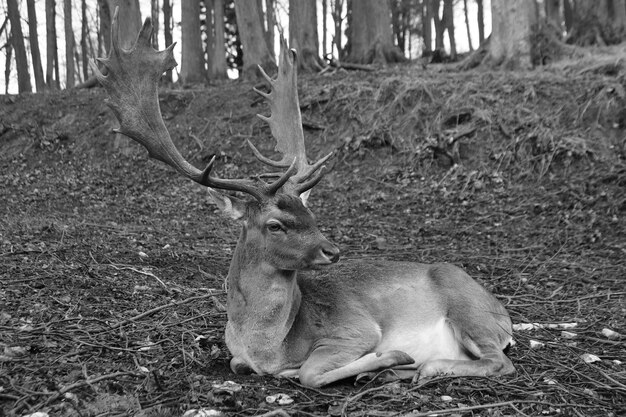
231	207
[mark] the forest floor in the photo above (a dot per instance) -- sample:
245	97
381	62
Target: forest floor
112	267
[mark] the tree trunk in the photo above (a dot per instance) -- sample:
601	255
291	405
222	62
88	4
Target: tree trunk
448	24
303	34
40	82
84	36
600	22
154	13
440	28
129	19
271	24
552	12
167	32
481	22
192	65
51	44
427	34
69	44
105	25
371	34
510	45
17	40
7	64
254	46
324	28
568	15
467	27
337	9
217	69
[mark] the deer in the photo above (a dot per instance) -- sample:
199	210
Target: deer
293	310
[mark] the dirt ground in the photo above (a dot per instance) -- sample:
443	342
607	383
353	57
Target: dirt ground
112	267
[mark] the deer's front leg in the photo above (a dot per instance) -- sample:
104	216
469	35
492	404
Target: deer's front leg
328	364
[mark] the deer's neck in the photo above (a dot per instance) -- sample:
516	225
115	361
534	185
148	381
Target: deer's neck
260	297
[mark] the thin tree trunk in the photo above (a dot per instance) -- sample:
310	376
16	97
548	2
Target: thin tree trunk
448	23
192	65
40	82
217	67
481	22
467	26
104	38
337	20
271	25
69	44
155	23
427	34
51	44
17	37
167	31
324	28
568	15
7	64
439	25
84	35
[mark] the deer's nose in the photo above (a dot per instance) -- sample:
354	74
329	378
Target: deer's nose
330	251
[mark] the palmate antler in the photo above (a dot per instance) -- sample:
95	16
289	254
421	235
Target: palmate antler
132	83
286	124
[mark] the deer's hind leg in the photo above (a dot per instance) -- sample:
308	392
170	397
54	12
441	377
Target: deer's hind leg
481	326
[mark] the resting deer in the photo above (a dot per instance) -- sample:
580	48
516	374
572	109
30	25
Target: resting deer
294	311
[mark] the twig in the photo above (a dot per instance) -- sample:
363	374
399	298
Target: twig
147	273
157	309
80	384
460	410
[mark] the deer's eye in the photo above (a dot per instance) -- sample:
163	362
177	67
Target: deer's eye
274	227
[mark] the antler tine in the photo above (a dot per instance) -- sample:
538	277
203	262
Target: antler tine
285	123
132	84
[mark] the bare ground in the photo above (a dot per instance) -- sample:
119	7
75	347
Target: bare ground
112	267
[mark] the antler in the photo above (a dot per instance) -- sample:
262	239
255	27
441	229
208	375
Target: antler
132	83
286	126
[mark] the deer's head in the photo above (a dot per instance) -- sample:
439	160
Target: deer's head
277	224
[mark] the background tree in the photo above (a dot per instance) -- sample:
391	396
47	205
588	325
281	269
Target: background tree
512	23
337	15
167	32
467	26
192	65
33	37
129	20
480	17
426	27
371	38
69	44
251	33
154	14
17	41
448	26
303	34
601	22
85	40
217	63
52	56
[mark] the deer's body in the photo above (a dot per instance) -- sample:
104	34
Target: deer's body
418	314
291	310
